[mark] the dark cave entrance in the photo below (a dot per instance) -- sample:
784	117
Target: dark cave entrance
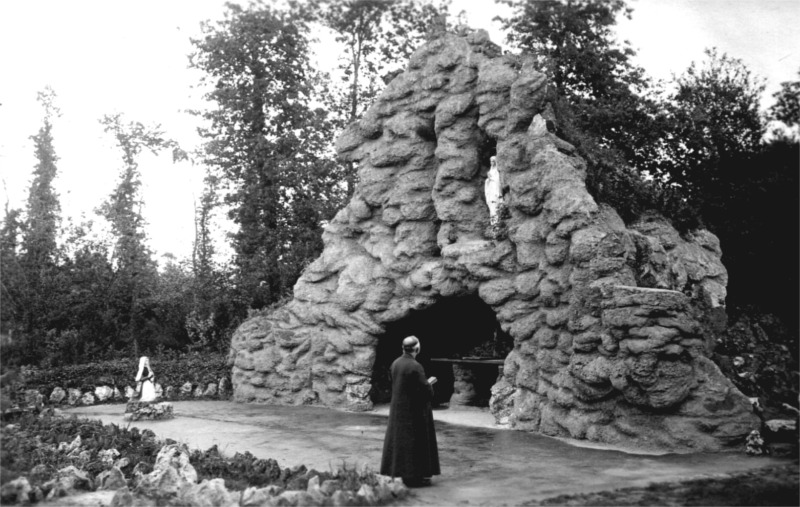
462	345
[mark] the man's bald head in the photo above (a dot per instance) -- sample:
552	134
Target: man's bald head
411	345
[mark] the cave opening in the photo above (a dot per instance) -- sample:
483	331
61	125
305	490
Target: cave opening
463	346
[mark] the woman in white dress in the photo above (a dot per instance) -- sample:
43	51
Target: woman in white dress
145	376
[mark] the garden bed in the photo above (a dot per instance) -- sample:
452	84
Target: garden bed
48	456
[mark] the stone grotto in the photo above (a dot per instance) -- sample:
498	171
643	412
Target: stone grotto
558	316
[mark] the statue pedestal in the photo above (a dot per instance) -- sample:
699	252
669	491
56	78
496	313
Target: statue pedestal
138	410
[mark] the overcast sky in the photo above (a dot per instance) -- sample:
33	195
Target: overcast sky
106	56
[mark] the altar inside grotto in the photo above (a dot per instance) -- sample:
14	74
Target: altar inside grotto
463	346
559	315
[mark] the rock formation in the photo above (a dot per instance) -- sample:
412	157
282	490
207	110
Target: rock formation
611	323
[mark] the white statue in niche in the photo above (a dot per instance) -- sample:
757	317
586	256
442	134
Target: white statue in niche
145	377
493	191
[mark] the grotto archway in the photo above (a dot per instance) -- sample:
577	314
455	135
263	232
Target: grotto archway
608	345
462	346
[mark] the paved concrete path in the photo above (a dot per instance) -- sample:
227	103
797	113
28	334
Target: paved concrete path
481	464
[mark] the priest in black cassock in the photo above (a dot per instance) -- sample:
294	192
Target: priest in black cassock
409	450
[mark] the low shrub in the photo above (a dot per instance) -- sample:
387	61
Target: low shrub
193	367
175	371
244	470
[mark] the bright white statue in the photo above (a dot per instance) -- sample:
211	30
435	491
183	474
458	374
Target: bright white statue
492	189
145	376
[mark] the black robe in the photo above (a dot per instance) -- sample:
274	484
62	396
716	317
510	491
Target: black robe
409	449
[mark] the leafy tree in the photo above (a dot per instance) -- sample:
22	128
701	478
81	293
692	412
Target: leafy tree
267	145
135	270
715	118
212	313
787	110
379	36
574	43
83	305
169	305
601	99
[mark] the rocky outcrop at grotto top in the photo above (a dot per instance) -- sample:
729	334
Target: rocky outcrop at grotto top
611	323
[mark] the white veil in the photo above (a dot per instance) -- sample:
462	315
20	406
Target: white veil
143	361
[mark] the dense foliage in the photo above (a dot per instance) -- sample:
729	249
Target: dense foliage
266	146
698	149
38	446
693	149
268	128
169	369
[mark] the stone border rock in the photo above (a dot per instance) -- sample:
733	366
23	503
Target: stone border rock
174	481
218	390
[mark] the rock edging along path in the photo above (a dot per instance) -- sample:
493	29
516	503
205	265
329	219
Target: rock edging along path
484	466
103	393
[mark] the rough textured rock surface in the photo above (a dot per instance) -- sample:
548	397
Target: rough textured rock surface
138	410
611	323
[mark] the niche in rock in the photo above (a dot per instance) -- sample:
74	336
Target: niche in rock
462	346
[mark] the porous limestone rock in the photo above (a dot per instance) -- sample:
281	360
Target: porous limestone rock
33	398
108	456
138	410
71	478
176	456
58	395
211	389
611	322
16	491
73	395
255	497
111	479
208	492
224	386
186	389
103	393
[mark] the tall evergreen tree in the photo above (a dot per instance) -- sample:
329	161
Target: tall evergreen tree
43	207
39	254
